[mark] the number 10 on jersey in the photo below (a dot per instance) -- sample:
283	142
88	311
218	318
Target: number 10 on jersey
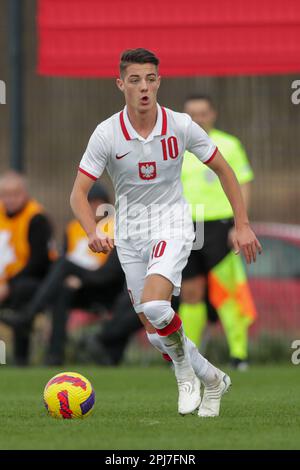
170	148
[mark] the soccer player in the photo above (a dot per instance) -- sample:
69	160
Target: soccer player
142	149
216	267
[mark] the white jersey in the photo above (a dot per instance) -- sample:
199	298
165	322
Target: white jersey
146	173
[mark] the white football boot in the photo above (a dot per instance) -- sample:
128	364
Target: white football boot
211	400
189	395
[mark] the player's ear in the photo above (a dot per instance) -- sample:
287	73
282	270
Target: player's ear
158	81
120	84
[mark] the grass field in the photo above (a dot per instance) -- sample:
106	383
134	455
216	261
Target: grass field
136	409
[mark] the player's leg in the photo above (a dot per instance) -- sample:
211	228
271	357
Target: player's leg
215	249
215	381
156	303
135	270
211	377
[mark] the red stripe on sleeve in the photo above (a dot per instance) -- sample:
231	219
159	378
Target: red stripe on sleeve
212	157
87	174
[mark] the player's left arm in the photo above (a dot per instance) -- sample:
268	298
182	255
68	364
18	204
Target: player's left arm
239	162
245	239
246	193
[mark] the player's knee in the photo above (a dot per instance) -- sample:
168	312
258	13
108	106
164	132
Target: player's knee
159	313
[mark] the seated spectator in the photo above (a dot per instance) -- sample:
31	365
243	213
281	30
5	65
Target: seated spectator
107	347
25	241
79	278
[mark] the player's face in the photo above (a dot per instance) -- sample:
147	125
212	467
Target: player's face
140	85
202	113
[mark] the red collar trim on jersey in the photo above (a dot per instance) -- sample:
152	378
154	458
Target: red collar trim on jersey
163	127
164	121
123	127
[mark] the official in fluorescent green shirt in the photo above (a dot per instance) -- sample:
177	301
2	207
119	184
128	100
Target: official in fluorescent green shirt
215	269
202	186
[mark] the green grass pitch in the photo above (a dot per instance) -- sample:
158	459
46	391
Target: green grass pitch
136	408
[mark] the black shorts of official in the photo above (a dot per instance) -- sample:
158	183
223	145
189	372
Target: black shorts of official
215	248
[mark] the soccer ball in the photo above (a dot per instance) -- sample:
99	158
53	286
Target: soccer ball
69	395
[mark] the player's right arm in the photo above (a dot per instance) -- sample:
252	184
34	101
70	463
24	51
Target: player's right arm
91	167
83	213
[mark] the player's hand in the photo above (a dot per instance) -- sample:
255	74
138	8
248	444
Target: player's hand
100	244
246	242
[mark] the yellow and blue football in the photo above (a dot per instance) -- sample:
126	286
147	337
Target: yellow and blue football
69	395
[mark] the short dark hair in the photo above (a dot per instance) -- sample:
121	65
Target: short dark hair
200	96
137	56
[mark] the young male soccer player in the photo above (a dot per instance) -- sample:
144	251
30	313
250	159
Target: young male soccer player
142	148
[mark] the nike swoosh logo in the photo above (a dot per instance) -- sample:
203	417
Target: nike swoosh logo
122	156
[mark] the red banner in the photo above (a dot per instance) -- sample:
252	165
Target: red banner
84	38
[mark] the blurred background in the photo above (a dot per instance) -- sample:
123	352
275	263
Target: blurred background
58	110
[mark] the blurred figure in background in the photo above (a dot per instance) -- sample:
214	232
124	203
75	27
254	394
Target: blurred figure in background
26	254
79	278
107	347
215	273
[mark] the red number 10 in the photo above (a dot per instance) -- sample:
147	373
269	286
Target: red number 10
171	148
158	249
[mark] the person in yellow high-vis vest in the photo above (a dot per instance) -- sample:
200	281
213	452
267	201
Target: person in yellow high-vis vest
79	278
215	273
26	252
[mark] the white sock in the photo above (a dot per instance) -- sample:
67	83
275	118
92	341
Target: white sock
154	339
204	370
175	346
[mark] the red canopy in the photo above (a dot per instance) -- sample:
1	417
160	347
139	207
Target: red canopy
84	38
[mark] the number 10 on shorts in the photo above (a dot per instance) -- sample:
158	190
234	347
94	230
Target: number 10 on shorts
158	249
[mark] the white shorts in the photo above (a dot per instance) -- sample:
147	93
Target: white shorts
164	257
